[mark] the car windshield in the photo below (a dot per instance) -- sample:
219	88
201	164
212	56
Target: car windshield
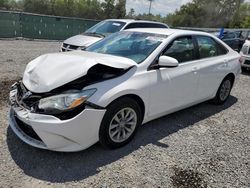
106	27
133	45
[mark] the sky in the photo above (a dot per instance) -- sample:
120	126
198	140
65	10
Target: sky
162	7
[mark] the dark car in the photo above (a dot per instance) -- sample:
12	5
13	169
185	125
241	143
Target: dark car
235	39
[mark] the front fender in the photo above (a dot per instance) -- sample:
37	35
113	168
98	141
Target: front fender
130	83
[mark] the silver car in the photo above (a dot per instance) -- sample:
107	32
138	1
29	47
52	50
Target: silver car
103	29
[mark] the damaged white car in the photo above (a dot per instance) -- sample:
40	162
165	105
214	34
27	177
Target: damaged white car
69	101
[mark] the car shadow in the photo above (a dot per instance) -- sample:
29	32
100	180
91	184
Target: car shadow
58	167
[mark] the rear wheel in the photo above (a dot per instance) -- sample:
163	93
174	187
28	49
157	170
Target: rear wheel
224	91
120	123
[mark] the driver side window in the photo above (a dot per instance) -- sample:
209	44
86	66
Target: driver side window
181	49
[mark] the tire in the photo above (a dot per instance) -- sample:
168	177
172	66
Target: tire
224	91
126	128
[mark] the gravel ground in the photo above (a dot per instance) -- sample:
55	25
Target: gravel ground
202	146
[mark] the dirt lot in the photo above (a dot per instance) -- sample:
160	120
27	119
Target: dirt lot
203	146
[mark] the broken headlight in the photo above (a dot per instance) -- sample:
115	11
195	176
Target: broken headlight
65	101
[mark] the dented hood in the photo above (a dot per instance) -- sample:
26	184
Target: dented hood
50	71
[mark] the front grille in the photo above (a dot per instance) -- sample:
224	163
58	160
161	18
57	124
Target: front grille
29	101
21	90
27	129
247	62
68	47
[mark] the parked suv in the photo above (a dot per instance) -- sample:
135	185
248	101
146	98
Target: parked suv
234	39
103	29
245	53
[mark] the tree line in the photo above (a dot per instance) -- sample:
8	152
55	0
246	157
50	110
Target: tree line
212	13
206	13
91	9
197	13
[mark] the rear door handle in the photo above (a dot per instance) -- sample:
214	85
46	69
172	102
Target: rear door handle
225	62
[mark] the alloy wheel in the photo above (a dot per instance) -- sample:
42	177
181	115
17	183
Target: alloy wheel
225	90
122	125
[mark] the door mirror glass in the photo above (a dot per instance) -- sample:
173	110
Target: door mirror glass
166	61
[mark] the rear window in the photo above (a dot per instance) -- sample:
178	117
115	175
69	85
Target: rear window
208	47
145	25
181	49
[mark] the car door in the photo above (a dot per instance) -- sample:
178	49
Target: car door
174	88
212	64
231	40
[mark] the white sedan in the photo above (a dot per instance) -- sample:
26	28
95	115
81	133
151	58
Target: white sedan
69	101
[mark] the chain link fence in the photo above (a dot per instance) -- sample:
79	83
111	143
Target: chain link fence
36	26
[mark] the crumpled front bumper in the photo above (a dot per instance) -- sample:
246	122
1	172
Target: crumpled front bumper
49	132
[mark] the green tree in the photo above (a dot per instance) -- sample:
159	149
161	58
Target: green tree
242	16
190	14
93	10
245	23
4	4
120	9
203	13
131	13
78	8
108	7
36	6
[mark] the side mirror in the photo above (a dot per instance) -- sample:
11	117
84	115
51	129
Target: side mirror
166	61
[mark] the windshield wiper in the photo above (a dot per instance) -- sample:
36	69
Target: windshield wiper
95	34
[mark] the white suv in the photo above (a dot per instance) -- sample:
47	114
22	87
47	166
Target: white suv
103	29
245	53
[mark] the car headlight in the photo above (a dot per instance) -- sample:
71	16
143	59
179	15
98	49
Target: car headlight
65	101
81	48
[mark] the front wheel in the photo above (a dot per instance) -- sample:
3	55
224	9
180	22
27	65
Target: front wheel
120	123
224	91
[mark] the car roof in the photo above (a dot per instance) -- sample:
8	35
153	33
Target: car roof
166	31
134	21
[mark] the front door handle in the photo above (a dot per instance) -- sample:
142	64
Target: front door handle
194	70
